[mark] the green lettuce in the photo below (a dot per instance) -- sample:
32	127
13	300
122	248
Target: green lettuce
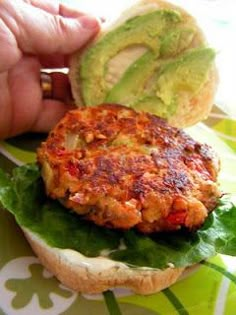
23	195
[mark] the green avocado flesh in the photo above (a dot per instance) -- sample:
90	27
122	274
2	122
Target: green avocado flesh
169	69
176	41
131	86
153	104
144	30
130	89
23	195
185	74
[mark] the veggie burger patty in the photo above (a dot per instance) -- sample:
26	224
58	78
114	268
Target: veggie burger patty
121	168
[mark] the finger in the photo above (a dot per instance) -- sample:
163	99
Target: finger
26	97
9	51
38	32
55	7
5	107
54	61
66	11
49	6
52	111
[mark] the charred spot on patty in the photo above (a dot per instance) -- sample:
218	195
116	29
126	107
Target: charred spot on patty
123	169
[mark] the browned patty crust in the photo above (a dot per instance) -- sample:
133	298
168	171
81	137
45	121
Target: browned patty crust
120	169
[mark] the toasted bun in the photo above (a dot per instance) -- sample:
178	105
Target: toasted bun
189	112
84	278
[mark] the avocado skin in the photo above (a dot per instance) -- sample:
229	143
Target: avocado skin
140	30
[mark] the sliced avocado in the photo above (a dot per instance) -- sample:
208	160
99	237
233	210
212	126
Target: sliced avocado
144	30
176	41
131	85
153	104
187	73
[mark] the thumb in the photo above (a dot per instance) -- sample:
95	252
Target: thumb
37	31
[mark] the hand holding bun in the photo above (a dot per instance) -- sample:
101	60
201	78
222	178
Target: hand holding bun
35	35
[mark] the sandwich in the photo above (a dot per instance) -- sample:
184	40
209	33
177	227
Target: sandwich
120	196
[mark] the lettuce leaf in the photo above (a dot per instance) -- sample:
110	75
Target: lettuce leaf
23	195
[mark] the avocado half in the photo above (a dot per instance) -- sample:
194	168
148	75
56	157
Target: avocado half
155	59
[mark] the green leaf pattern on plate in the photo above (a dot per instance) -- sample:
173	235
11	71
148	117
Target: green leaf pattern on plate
35	284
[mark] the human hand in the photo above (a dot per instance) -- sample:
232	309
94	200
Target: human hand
36	34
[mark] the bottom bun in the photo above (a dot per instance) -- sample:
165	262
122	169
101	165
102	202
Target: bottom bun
83	277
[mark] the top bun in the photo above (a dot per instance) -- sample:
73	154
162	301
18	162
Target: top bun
169	71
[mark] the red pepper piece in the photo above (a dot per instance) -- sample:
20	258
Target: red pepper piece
177	217
73	169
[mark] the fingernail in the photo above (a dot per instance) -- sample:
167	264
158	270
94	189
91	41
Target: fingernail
89	22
